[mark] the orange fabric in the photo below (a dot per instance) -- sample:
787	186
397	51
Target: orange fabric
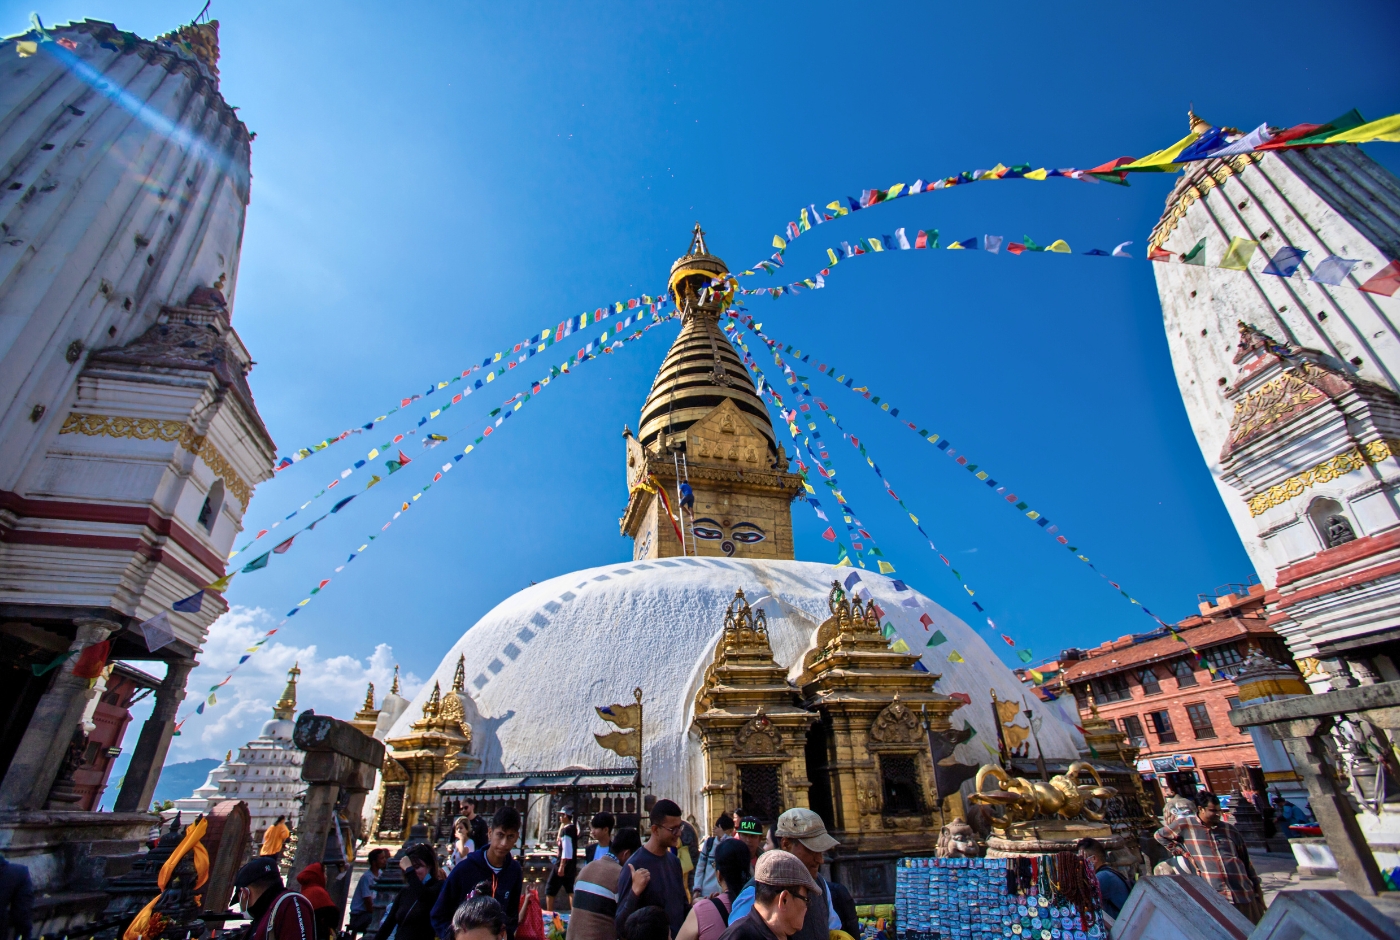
274	838
190	843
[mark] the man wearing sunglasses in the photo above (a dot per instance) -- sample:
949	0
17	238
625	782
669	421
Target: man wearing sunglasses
652	877
783	893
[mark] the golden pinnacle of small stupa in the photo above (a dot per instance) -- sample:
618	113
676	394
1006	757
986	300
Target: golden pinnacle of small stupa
394	689
459	678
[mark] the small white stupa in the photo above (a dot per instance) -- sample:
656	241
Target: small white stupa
267	773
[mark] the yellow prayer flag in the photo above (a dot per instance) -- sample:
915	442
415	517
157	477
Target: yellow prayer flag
915	518
886	568
955	657
1059	246
1387	128
434	414
405	506
895	190
832	255
490	376
372	454
844	562
1035	174
1161	160
955	247
1238	254
1036	674
778	242
220	585
875	244
26	48
899	646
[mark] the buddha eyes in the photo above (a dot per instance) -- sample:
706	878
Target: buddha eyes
711	531
705	532
748	535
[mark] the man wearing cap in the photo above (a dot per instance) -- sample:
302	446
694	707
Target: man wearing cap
784	891
751	832
565	863
275	911
802	833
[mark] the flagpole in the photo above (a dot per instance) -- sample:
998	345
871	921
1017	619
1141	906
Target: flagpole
1039	754
1001	738
637	694
676	462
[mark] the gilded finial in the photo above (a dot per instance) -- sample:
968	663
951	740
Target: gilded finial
287	705
369	699
394	689
459	678
433	706
1198	124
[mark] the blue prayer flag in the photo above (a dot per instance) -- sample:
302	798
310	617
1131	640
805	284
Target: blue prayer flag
1286	262
191	604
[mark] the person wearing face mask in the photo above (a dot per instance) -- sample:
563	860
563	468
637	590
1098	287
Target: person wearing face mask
275	911
410	917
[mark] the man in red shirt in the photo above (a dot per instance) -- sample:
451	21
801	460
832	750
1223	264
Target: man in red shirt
268	903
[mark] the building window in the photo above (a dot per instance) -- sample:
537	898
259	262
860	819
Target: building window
1112	688
1223	657
903	795
209	512
1233	701
1081	697
1132	727
1161	724
1148	678
1200	720
758	790
1185	675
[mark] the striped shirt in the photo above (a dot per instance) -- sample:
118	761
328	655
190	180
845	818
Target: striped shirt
594	903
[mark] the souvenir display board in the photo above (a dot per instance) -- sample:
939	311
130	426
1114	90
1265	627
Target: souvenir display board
1042	897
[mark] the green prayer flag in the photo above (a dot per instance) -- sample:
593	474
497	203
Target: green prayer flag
938	639
1024	655
1196	255
1031	245
259	562
58	661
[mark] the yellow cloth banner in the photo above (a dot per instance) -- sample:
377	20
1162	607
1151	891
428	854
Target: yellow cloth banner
1387	128
621	743
190	843
1238	254
624	716
1161	161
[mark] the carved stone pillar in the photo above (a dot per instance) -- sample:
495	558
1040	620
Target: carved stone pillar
41	751
143	773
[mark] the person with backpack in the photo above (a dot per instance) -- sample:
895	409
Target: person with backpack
705	884
1112	885
709	917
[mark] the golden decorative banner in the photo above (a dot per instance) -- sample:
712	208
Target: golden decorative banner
1328	470
155	429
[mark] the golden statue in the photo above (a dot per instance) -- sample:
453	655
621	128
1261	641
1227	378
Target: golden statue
1023	800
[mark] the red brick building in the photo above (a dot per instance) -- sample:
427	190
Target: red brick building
1152	687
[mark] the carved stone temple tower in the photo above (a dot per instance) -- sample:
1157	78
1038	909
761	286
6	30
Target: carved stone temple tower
705	425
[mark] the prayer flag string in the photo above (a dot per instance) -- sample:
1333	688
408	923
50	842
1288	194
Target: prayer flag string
803	412
501	415
430	440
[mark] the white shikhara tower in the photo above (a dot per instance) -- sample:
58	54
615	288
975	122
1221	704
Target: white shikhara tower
1290	386
267	773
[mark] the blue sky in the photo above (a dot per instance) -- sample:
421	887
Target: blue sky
434	182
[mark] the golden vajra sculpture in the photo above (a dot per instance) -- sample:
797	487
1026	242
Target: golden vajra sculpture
1023	800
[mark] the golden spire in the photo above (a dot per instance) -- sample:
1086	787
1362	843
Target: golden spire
369	699
433	705
459	678
287	705
1199	125
394	689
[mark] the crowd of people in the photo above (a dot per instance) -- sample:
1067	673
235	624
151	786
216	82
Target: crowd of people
742	882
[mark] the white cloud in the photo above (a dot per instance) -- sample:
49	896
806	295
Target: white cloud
331	685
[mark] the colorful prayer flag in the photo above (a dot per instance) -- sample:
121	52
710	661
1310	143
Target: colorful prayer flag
257	563
938	639
1333	270
1196	255
1238	254
191	604
955	657
1385	282
1059	246
1285	262
1024	656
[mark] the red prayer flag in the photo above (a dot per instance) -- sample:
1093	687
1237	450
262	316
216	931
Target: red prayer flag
1158	254
926	620
829	534
403	459
1281	139
1009	641
1111	165
960	697
1385	282
282	549
92	660
1015	248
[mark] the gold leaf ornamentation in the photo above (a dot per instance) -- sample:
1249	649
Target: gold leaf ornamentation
154	429
1330	469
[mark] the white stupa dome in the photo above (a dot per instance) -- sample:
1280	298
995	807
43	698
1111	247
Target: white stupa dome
278	729
538	663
